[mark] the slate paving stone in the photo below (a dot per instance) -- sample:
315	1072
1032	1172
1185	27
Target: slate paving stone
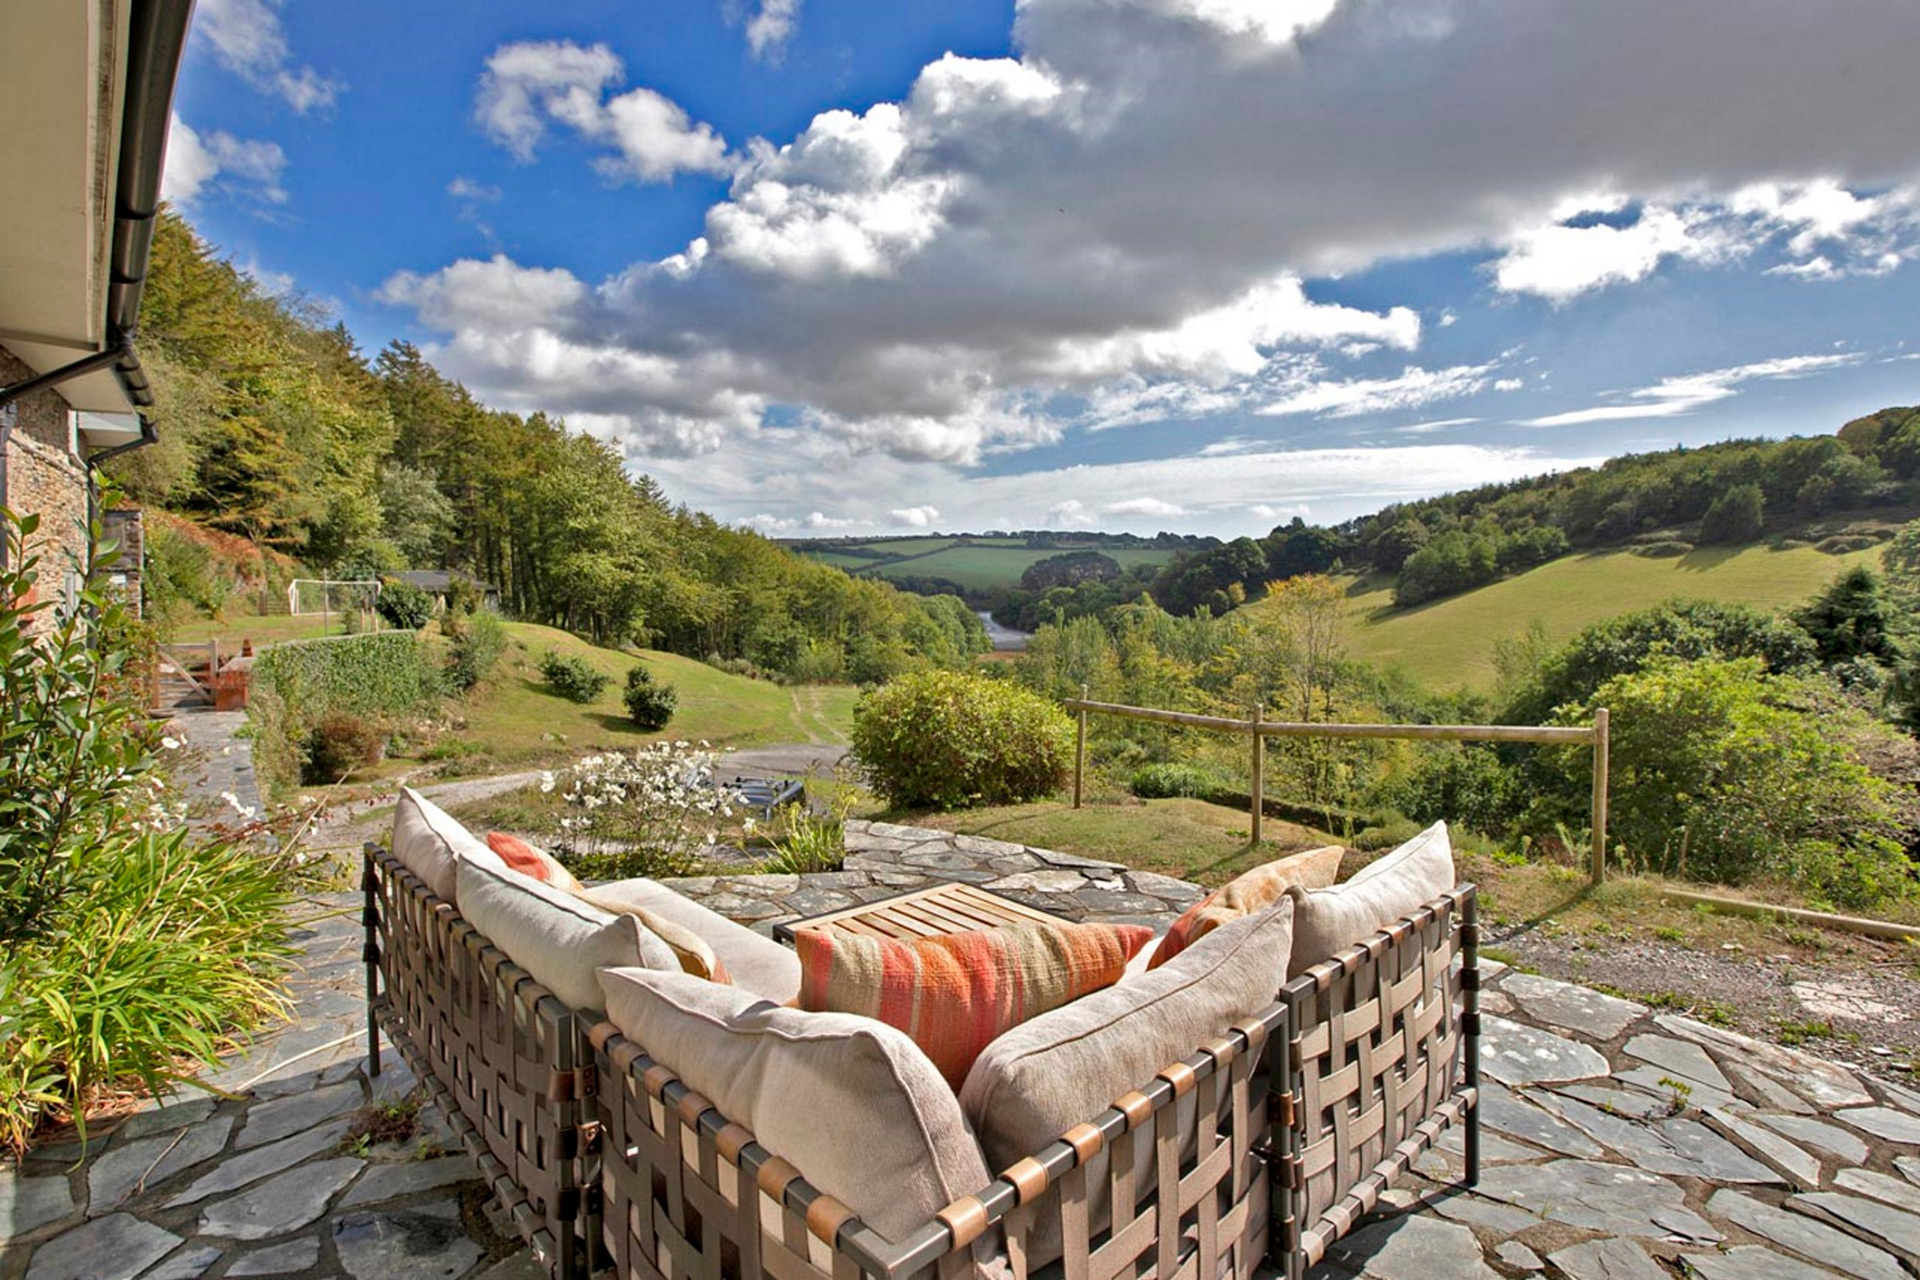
1898	1229
124	1170
1507	1113
283	1203
30	1203
1679	1058
423	1243
517	1266
1878	1185
1757	1090
1494	1149
1413	1248
1612	1198
1519	1257
1751	1262
116	1247
283	1117
392	1181
1800	1167
1678	1146
1611	1259
1908	1168
1808	1132
1806	1237
187	1263
1515	1054
1823	1083
1654	1081
1477	1211
279	1259
1900	1096
1048	881
164	1119
243	1167
1575	1008
1883	1122
1628	1104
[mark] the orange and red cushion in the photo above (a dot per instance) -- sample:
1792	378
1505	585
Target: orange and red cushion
954	993
530	861
1252	891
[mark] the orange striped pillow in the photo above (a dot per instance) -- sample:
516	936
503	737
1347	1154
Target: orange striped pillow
955	992
530	861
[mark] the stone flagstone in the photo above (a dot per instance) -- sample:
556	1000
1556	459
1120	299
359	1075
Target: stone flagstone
1611	1259
425	1243
237	1171
1677	1057
1758	1090
392	1181
1909	1167
1413	1248
1675	1146
1519	1257
1809	1132
1562	1004
1751	1262
281	1204
1878	1185
284	1117
188	1263
116	1247
27	1204
1612	1198
1823	1083
1803	1169
1516	1054
1884	1122
1806	1237
1901	1231
278	1259
115	1176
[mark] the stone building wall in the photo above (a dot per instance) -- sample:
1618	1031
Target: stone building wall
40	475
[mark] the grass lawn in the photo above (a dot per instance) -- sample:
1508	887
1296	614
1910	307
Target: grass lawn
513	720
979	568
1449	643
261	630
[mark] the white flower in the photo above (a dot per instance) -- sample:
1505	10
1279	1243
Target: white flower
234	801
546	782
170	743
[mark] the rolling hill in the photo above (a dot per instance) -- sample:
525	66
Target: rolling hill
1449	643
980	564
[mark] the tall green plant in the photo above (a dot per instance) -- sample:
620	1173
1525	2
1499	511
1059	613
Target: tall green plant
75	753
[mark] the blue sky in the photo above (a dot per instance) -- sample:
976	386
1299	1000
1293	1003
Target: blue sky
1133	264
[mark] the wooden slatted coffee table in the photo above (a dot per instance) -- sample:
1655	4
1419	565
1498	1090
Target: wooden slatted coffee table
952	907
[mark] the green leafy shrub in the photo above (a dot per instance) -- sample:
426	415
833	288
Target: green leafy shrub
1738	515
1719	774
341	743
474	648
572	678
949	740
404	606
1166	781
296	685
651	705
1466	784
1666	549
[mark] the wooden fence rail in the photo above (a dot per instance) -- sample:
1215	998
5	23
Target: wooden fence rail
1258	729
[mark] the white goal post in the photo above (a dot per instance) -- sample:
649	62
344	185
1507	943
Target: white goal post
331	595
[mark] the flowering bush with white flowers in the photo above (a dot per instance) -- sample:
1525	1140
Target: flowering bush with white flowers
649	812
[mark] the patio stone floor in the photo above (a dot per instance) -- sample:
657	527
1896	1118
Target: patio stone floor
1619	1143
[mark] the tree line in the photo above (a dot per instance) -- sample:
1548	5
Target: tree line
278	429
1663	503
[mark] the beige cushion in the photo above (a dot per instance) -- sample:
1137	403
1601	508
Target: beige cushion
1250	891
1326	921
430	843
1064	1067
856	1108
757	964
553	935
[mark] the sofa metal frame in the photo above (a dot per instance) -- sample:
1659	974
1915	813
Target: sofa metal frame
1318	1104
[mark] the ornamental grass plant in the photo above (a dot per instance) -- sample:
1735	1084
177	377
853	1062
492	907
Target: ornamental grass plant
132	949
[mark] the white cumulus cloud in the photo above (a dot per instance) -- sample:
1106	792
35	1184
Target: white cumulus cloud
247	39
198	163
918	517
771	27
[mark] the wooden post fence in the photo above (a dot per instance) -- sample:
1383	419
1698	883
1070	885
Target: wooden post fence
1259	728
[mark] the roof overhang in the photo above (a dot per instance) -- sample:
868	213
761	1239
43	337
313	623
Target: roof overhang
86	88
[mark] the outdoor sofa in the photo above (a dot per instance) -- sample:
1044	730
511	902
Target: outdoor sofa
1265	1139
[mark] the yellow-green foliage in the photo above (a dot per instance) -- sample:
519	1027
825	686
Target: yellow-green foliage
948	740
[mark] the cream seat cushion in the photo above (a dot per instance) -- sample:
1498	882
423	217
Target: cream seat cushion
852	1103
1064	1067
553	935
1327	921
757	964
430	843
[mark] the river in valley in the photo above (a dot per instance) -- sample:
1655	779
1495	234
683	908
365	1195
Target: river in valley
1003	637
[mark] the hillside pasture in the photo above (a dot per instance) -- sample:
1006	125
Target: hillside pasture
1449	643
983	568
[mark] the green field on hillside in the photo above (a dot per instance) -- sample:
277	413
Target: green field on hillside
1449	643
514	720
